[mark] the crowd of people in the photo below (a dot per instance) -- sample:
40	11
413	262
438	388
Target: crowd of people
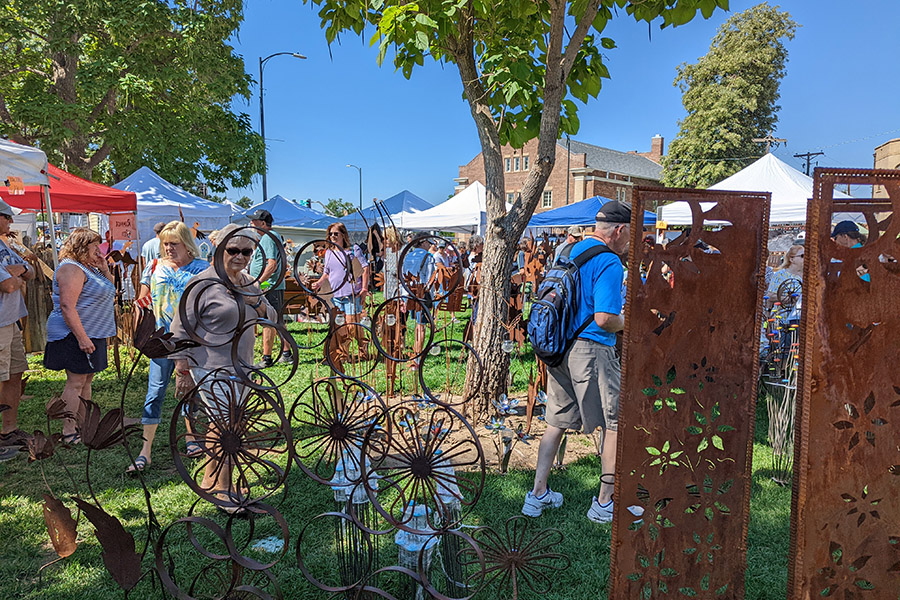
582	391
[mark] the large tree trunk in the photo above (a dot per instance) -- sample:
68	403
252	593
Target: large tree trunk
505	228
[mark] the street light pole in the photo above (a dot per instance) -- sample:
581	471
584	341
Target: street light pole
262	115
360	183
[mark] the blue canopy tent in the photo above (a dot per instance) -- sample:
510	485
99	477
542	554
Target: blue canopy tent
404	201
286	213
580	213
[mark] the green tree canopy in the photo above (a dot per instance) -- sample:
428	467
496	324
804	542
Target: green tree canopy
338	207
730	95
106	86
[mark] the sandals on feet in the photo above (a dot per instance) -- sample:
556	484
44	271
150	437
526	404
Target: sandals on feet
140	464
71	439
231	504
193	449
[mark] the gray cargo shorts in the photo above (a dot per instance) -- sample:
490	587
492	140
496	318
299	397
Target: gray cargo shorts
583	391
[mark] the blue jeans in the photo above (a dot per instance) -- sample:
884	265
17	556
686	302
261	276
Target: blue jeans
161	370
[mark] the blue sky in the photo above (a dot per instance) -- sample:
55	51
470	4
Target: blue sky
841	95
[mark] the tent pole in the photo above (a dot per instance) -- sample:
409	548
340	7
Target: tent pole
52	228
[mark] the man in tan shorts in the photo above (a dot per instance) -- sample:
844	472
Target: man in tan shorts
583	391
14	272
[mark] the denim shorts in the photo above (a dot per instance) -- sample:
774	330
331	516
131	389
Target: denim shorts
349	305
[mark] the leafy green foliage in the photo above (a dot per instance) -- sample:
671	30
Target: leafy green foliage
107	86
730	96
338	207
509	41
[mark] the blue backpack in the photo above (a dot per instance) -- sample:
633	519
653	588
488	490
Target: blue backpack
551	325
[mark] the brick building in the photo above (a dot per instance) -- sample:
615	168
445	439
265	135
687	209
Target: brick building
592	171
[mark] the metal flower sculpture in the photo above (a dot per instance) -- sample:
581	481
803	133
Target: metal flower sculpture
425	466
516	559
241	431
337	416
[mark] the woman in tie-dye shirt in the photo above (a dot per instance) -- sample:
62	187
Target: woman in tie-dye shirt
164	281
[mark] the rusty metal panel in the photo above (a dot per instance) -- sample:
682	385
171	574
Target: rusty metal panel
845	522
687	405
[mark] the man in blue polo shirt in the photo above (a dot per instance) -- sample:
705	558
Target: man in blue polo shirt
583	391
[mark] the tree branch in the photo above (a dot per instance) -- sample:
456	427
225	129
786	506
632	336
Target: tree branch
108	100
581	30
488	131
98	156
25	70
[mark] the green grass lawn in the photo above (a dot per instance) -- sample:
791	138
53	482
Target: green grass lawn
26	547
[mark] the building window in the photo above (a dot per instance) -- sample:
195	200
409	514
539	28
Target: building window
525	163
547	199
620	194
510	197
507	165
517	163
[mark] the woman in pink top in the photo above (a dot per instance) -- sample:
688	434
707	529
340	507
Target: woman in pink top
348	290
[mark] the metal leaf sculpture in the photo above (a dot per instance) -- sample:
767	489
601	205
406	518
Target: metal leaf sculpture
40	446
100	433
119	556
60	525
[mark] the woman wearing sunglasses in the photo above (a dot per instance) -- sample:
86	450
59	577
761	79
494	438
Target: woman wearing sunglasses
347	272
214	313
163	282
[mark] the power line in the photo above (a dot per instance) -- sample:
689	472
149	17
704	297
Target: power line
682	160
862	139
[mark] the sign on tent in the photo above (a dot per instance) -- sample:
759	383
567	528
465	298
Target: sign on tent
123	226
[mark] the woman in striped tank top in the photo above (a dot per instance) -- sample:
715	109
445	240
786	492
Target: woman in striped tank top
83	317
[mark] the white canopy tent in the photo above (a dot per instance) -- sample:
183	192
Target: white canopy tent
789	187
463	213
158	200
30	165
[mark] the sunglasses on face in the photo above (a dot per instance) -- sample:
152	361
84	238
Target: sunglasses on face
232	251
335	233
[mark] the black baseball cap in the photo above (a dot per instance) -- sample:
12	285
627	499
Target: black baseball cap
262	215
846	227
614	212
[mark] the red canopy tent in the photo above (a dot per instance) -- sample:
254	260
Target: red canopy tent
69	193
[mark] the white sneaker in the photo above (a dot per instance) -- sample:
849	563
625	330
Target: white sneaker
534	505
603	513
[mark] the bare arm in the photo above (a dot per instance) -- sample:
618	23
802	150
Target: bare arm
268	270
609	322
365	280
11	284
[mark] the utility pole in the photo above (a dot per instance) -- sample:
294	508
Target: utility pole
768	141
808	156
